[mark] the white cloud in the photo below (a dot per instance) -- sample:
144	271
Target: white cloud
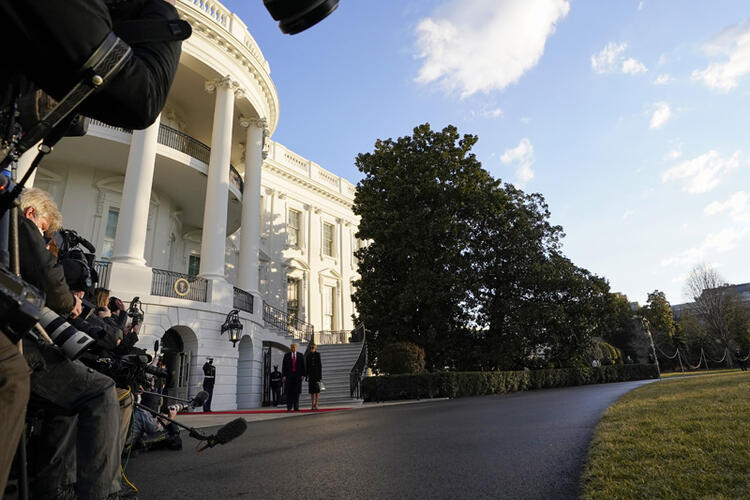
663	79
713	243
703	173
674	154
525	120
486	112
632	67
607	60
640	5
627	214
484	45
737	206
612	59
734	45
661	115
523	157
491	113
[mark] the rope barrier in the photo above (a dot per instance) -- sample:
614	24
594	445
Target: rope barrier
721	360
691	367
666	355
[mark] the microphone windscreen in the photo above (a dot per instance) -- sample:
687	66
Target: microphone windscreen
199	399
231	430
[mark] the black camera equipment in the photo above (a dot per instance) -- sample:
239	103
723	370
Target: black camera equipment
79	265
20	305
225	434
183	404
297	16
135	310
128	370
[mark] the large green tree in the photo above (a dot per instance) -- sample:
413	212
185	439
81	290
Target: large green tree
466	267
416	207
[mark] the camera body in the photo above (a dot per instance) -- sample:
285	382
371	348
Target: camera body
20	305
135	310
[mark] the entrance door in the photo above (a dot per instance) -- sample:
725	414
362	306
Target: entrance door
183	378
266	375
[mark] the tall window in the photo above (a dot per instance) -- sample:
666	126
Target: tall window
328	239
109	233
329	303
293	220
194	265
292	298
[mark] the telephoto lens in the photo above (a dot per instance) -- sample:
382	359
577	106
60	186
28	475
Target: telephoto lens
295	16
178	407
72	341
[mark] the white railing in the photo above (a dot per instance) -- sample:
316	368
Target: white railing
302	166
222	16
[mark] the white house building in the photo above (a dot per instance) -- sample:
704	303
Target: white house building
202	213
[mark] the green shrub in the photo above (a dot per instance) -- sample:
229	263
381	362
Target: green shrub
401	357
463	384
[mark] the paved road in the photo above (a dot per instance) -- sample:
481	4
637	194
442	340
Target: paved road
522	445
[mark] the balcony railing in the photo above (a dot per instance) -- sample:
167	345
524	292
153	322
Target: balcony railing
285	322
243	300
179	286
183	143
333	337
102	271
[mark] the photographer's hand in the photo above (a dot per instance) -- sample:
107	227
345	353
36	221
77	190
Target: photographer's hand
77	308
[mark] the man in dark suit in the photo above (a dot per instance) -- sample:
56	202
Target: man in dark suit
292	373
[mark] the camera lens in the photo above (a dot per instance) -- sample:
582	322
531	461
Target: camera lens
296	16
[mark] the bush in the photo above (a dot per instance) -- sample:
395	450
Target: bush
401	357
462	384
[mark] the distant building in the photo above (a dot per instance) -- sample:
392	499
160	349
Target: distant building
742	291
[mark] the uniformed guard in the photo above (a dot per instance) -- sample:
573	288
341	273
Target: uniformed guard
209	377
276	384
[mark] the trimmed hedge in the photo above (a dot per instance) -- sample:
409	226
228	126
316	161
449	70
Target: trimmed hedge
401	357
462	384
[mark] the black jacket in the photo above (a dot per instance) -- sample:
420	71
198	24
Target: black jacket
39	267
314	367
48	42
293	379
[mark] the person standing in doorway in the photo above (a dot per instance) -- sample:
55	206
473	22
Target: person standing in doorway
314	375
292	373
209	378
276	384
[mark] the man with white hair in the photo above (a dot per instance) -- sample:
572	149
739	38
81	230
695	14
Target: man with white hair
83	454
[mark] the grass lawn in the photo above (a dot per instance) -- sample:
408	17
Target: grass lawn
698	372
684	437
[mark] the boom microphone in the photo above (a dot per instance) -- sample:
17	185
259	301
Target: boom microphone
230	431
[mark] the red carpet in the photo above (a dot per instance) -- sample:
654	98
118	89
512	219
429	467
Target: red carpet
248	412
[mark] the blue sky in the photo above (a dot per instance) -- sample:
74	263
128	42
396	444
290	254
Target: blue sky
630	117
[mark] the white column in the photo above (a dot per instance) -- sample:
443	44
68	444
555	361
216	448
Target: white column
250	232
24	164
130	239
213	242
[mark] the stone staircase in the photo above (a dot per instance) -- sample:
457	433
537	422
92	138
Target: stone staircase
337	360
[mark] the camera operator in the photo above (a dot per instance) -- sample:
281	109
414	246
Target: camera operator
151	432
49	42
85	449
